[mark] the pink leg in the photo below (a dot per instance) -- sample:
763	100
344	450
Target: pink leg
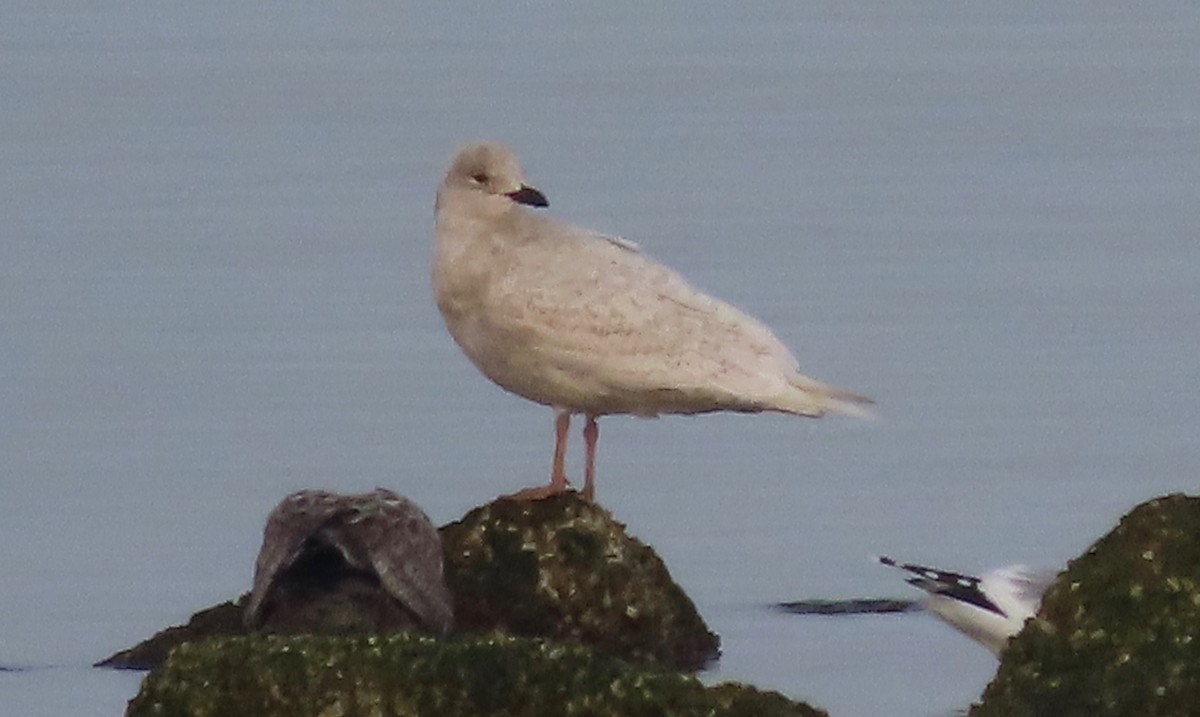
591	435
558	471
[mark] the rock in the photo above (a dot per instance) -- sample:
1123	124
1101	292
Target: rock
559	568
1119	632
216	621
417	676
349	563
857	606
329	563
562	568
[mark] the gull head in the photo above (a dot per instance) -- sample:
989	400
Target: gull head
490	172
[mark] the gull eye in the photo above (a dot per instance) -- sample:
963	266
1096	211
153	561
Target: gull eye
480	178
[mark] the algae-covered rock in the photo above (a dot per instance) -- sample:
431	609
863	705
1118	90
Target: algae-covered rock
1119	632
218	620
562	568
415	676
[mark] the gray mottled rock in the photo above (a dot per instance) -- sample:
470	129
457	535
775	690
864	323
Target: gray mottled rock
336	563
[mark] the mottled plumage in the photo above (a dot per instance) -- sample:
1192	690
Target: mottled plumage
587	323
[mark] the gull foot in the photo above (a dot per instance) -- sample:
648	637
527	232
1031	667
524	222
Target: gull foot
541	492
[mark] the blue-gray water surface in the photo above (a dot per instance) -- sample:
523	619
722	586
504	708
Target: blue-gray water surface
217	226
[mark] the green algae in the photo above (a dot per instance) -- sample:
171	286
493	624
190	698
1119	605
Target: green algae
406	675
222	619
563	568
1117	634
560	568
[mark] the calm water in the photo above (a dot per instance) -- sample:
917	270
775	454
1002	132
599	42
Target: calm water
217	229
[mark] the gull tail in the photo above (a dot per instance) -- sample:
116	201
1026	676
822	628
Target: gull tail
817	399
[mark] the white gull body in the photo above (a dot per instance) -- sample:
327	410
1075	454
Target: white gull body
990	608
587	324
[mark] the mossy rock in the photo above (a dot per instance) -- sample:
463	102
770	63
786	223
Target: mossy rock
417	676
1119	632
560	568
563	568
218	620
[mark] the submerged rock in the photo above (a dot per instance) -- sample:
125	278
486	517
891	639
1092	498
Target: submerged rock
564	569
853	606
411	676
1119	632
349	563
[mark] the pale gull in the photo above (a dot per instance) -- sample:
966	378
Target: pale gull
586	323
990	608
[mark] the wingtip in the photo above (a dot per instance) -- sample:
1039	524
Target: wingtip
833	399
852	407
